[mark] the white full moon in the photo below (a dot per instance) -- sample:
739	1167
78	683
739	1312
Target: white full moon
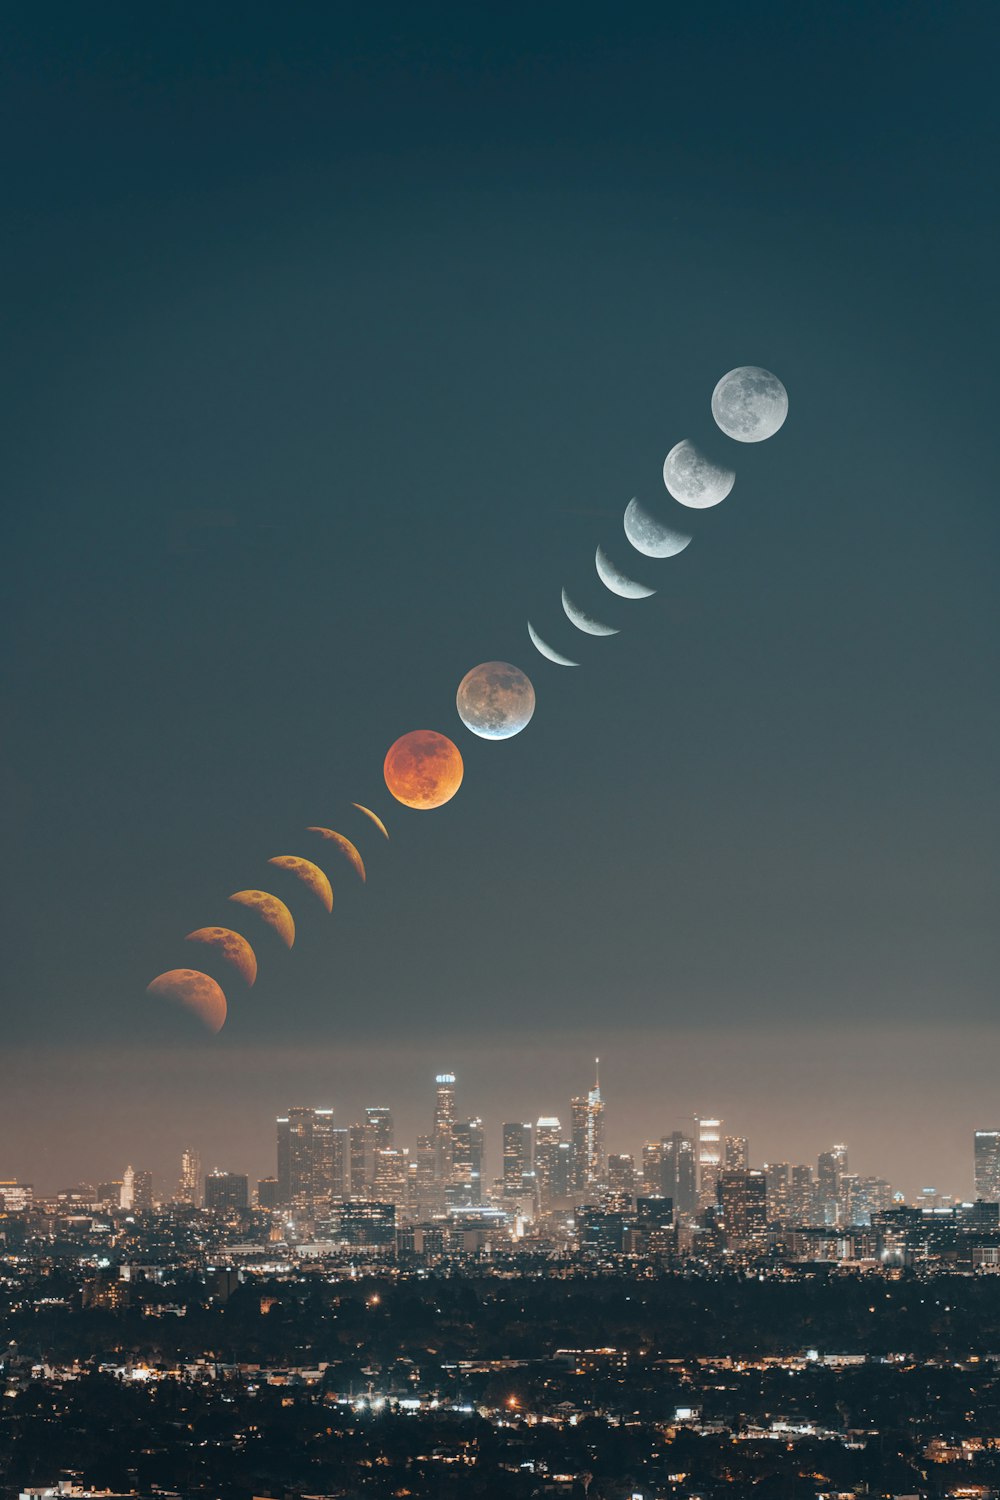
694	479
749	404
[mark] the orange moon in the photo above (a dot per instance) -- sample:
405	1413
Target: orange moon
374	817
270	910
311	875
195	991
423	769
230	946
344	845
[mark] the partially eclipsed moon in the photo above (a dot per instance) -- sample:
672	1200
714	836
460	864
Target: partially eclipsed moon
374	817
495	700
345	846
750	404
230	946
618	582
694	479
195	992
547	651
649	536
578	617
270	910
310	875
423	769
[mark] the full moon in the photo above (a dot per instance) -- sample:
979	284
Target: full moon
693	479
749	404
495	700
423	769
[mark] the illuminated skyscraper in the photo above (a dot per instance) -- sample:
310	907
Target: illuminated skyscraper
779	1184
736	1157
830	1168
679	1172
743	1204
226	1192
986	1149
516	1156
329	1161
709	1158
136	1191
587	1134
467	1163
444	1125
189	1186
621	1181
284	1161
652	1168
548	1138
801	1195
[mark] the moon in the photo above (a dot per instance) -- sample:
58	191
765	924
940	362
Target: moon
650	537
374	817
618	582
582	620
345	846
230	946
695	480
423	769
495	700
749	404
195	991
310	875
270	910
547	651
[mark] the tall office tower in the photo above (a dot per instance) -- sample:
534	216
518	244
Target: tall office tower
444	1124
267	1193
136	1191
621	1179
736	1156
517	1178
548	1138
830	1168
801	1196
357	1148
301	1121
426	1195
743	1201
866	1196
467	1161
778	1175
679	1172
652	1169
329	1157
986	1160
563	1191
189	1186
284	1159
587	1135
709	1158
391	1180
226	1192
379	1136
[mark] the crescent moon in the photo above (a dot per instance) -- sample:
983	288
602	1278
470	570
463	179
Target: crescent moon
649	536
230	946
583	621
345	846
310	875
270	910
195	991
374	817
618	582
547	651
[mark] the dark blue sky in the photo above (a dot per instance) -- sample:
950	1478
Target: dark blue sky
335	342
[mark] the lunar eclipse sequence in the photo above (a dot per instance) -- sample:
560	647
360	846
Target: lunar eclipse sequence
423	769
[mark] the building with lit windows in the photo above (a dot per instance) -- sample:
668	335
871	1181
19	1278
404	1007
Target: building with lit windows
986	1163
227	1192
709	1143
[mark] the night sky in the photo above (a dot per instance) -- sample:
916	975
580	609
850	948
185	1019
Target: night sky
336	339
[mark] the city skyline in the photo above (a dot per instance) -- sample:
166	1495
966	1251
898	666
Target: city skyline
385	1128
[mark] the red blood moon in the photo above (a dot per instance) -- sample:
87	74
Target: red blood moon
194	992
423	769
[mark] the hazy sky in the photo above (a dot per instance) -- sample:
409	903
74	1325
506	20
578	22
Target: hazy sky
335	342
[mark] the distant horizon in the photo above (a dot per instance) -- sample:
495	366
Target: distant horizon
224	1104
